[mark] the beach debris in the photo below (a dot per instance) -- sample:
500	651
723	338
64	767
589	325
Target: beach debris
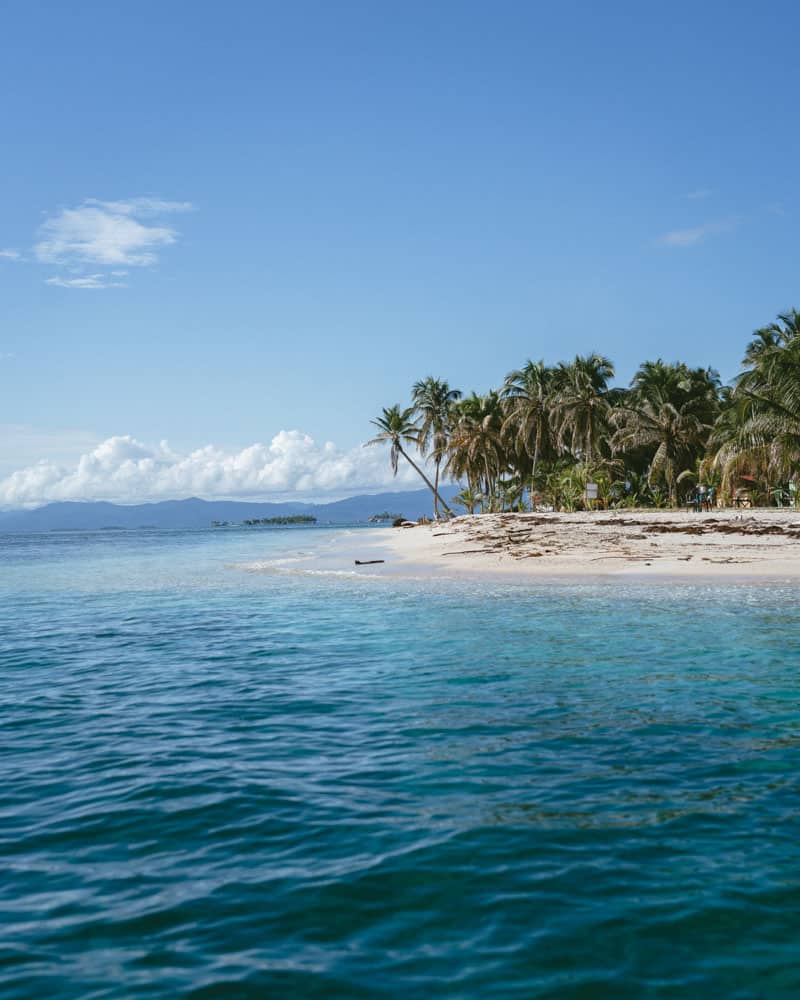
369	562
638	538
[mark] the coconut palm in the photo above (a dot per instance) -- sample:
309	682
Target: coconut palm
581	405
758	433
526	398
775	335
667	415
678	384
397	427
433	403
468	499
673	432
475	450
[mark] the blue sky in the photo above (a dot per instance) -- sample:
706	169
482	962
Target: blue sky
295	210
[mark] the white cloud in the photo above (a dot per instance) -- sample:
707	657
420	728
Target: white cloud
10	254
699	195
87	281
696	234
142	207
125	470
106	234
91	234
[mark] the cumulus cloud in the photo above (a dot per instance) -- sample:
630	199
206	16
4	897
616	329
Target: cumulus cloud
10	254
125	470
696	234
109	234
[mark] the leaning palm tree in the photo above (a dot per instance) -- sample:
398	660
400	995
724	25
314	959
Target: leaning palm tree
397	427
433	403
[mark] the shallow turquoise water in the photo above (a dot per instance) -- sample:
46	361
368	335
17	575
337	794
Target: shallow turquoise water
219	782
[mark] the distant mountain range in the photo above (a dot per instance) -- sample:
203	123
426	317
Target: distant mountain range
195	513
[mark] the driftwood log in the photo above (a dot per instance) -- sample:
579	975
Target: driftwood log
368	562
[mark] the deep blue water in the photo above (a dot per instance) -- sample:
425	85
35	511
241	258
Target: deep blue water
216	782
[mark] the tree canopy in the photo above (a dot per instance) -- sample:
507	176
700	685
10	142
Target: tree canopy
550	429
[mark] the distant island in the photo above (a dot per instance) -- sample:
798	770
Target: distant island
251	522
385	516
287	519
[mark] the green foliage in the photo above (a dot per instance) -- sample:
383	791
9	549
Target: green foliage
548	431
469	499
756	442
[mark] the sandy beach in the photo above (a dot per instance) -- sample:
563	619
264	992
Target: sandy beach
744	544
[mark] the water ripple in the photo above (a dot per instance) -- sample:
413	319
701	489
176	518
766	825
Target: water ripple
281	785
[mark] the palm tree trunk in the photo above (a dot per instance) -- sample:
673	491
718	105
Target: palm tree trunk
533	469
436	491
425	479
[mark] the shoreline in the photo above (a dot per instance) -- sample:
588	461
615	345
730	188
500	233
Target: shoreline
761	545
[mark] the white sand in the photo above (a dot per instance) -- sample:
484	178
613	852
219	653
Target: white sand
744	544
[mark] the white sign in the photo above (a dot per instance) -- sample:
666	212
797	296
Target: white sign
591	491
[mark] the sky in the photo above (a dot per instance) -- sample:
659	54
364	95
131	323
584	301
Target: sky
231	233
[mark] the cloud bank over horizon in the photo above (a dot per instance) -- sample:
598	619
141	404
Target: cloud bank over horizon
291	466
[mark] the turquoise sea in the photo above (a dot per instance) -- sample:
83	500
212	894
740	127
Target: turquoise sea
221	780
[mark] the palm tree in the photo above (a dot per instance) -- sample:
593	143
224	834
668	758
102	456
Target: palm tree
526	398
475	449
398	428
775	335
673	432
581	405
758	433
433	403
667	414
468	499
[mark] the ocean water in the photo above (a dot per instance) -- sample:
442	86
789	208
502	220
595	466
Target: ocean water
222	775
